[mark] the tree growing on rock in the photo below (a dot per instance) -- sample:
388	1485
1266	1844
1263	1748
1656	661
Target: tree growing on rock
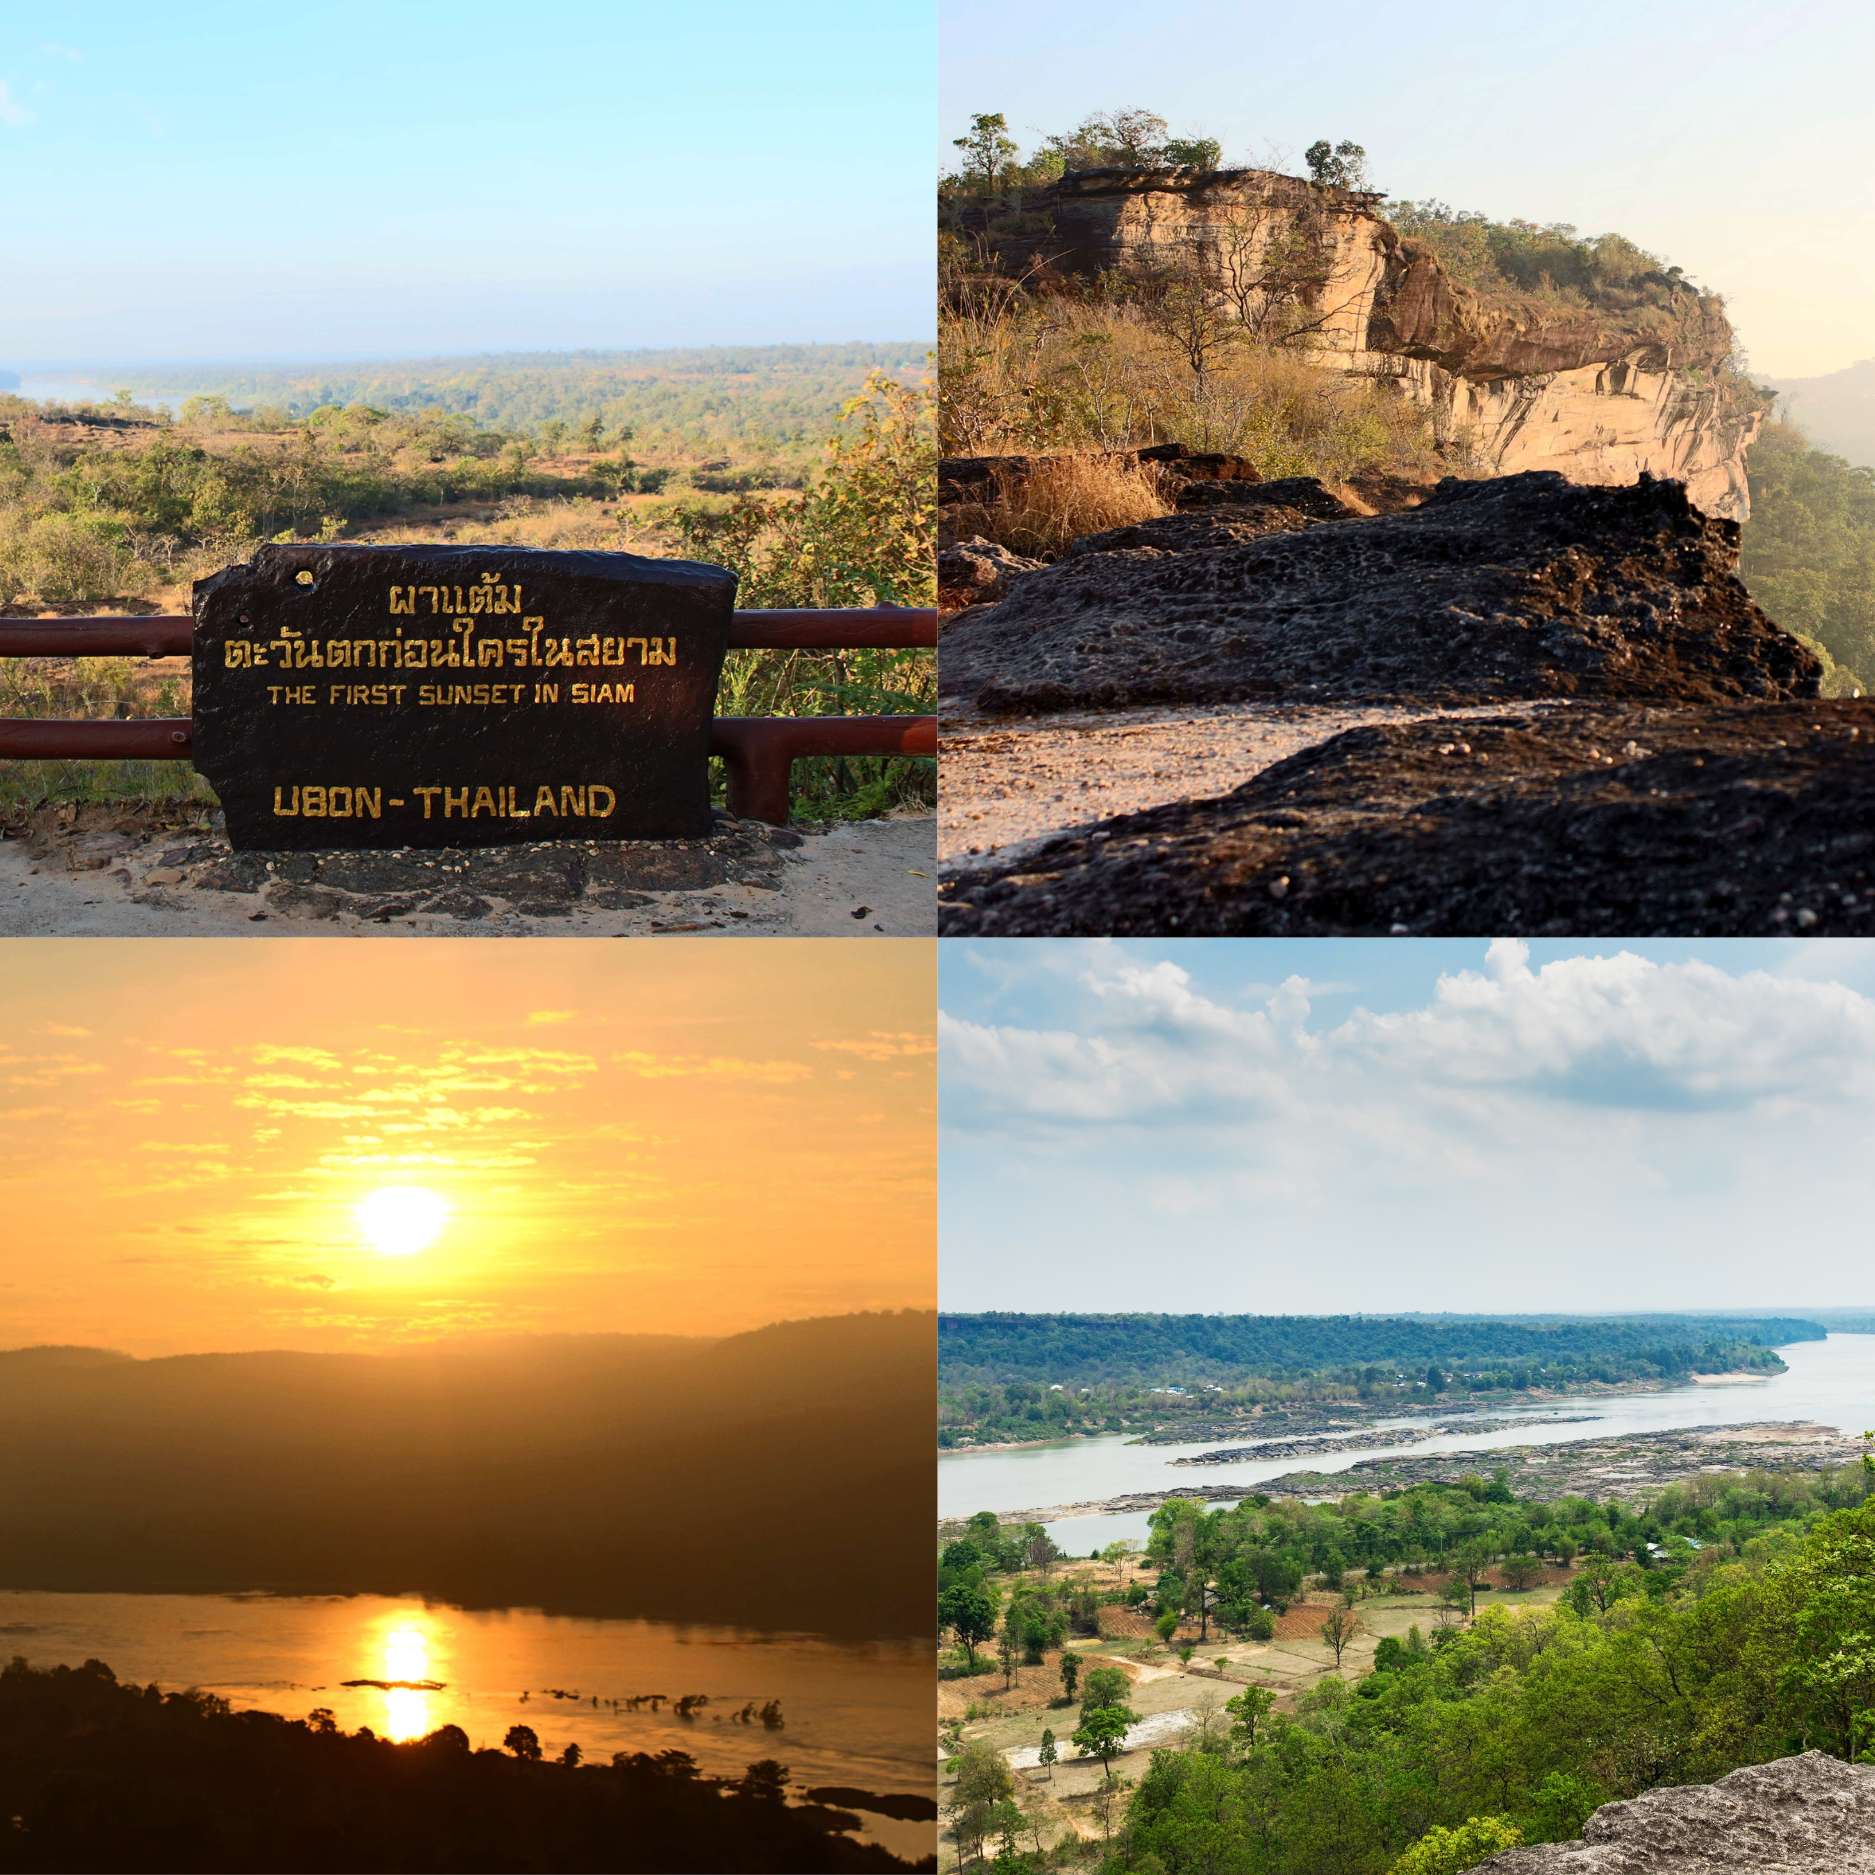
1340	165
987	151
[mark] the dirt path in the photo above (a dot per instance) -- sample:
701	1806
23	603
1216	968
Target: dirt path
857	879
1009	781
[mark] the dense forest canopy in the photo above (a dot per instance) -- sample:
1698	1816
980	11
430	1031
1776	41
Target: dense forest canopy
1217	1347
1808	551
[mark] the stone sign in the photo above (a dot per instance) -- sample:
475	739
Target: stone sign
350	696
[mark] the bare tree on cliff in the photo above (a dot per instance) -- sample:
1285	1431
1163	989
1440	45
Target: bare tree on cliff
1270	266
1183	307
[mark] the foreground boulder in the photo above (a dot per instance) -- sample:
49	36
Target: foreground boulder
1584	820
977	572
1528	586
1812	1815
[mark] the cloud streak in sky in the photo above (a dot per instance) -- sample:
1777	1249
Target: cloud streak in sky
1597	1131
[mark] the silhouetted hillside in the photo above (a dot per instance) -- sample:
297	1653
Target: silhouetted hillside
778	1479
94	1775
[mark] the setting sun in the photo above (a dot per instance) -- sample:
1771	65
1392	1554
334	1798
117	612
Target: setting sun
401	1220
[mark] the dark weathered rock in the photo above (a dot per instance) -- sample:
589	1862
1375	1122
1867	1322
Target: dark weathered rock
350	696
977	572
1811	1815
1584	820
1522	587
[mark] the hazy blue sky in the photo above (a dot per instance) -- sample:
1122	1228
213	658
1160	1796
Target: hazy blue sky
1734	138
1317	1127
368	179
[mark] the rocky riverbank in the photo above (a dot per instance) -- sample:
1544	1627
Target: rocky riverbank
1629	1466
1357	1441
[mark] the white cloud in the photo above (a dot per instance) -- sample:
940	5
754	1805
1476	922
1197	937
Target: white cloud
1596	1132
13	114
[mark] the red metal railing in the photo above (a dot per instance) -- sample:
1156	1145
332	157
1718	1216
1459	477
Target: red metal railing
757	751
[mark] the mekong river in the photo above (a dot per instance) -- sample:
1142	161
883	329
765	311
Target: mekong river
1831	1382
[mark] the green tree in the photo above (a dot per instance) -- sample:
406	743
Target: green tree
983	1782
987	151
1104	1686
1070	1672
1049	1753
1340	165
1102	1732
1452	1851
969	1614
1249	1710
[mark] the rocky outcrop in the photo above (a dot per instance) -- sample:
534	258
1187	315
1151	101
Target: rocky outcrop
1582	820
977	572
1812	1815
1521	587
1599	394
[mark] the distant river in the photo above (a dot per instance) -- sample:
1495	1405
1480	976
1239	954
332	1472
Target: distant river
56	390
1831	1382
854	1715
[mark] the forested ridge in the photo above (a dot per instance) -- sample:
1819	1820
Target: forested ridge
775	399
1003	1376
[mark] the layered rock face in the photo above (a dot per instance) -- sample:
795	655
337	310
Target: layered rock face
1811	1815
1519	587
1524	384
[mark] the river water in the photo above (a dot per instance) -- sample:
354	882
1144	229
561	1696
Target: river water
45	389
852	1714
1831	1382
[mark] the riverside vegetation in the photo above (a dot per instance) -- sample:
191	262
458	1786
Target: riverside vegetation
811	471
94	1774
1034	361
1398	1684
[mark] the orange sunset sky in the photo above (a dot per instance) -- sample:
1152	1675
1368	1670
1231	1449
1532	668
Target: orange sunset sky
664	1138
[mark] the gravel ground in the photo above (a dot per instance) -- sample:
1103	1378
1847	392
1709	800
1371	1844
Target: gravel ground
87	878
1009	781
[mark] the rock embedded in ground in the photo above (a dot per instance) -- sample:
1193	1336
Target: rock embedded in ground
1809	1815
1524	587
1589	821
977	572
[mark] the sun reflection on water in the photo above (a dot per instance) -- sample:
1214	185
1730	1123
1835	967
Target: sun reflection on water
405	1645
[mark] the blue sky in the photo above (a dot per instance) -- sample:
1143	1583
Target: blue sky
1731	137
353	179
1313	1127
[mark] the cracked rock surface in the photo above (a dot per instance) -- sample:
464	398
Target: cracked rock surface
1810	1815
1589	820
1523	587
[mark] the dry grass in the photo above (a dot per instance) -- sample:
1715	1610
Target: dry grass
1062	374
1065	498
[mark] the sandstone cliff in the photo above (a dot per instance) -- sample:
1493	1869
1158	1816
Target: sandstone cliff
1600	394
